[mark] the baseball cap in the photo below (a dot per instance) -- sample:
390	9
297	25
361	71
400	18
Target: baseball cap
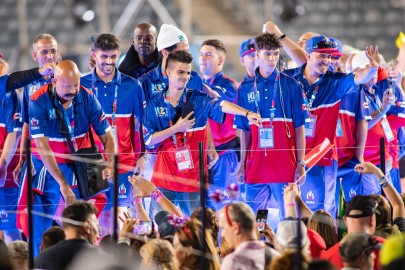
339	47
321	44
286	233
353	244
392	254
169	35
364	206
164	227
246	47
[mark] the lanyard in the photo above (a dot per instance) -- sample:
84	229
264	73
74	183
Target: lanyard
169	112
376	103
273	101
313	96
114	105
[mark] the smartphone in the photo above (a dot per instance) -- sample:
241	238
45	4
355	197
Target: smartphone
187	108
143	228
261	219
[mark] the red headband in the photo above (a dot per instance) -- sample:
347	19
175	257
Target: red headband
227	215
187	232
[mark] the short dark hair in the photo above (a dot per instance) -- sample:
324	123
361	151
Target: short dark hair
267	41
79	211
179	56
216	43
106	42
52	236
44	36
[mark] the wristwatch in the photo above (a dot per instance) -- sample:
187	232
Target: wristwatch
302	163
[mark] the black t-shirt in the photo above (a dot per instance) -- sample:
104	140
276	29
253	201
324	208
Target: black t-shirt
59	256
400	222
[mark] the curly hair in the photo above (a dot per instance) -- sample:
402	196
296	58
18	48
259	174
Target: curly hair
106	42
267	41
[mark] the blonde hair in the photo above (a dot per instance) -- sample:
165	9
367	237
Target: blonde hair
160	254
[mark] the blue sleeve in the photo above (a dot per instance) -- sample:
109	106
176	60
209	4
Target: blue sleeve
97	116
299	110
24	109
226	91
149	124
13	112
241	122
3	82
140	102
345	83
399	108
360	112
213	107
146	87
38	123
195	83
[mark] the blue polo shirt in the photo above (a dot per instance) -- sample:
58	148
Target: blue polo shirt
156	118
155	81
85	110
27	93
130	104
330	88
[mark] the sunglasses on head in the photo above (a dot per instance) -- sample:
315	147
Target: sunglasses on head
326	44
250	46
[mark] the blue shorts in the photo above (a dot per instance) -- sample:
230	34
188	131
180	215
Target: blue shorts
124	192
8	208
258	196
349	180
319	189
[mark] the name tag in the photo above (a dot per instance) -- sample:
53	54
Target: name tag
266	137
310	126
183	158
387	130
339	129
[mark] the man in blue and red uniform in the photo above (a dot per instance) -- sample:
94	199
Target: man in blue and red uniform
121	98
323	91
275	150
45	50
54	173
170	39
10	132
351	134
176	138
212	59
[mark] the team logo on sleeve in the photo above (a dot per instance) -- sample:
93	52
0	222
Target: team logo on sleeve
365	105
161	112
17	116
34	123
310	197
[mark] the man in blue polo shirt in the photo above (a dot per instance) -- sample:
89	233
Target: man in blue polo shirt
323	91
212	59
176	137
54	172
274	151
121	98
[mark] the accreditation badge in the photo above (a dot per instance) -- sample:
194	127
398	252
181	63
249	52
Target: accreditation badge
183	158
310	126
387	129
339	129
114	131
266	137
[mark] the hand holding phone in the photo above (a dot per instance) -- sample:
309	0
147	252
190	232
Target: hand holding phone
261	219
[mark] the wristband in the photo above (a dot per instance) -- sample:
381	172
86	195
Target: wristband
291	204
156	195
281	37
302	163
144	156
247	113
383	181
137	200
